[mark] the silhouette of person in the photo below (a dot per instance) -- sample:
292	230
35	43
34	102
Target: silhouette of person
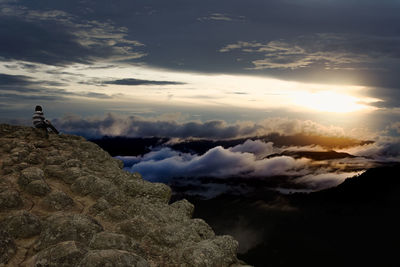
40	122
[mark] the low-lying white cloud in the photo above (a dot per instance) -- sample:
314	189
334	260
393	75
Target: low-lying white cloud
219	162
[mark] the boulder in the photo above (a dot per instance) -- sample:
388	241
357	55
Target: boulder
22	224
57	201
29	175
38	188
7	247
217	252
185	207
111	258
10	199
73	227
108	240
63	254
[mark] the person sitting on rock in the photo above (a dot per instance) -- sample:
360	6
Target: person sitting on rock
40	122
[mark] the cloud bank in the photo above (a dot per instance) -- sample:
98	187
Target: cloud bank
135	126
222	170
165	164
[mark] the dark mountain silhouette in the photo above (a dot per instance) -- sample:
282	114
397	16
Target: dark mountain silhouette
353	224
314	155
124	146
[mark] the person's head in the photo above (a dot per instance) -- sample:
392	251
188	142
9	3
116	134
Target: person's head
38	108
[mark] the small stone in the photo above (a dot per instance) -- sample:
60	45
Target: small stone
71	174
74	227
7	247
220	251
115	213
184	206
119	162
68	253
107	240
57	201
72	163
55	171
30	174
34	158
38	188
136	227
99	206
22	225
157	191
54	160
111	258
83	185
10	199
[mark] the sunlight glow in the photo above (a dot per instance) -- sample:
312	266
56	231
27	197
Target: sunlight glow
328	101
201	90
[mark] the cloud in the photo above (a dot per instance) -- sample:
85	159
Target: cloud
17	88
326	180
221	17
386	149
57	37
240	165
18	81
165	164
135	126
140	82
256	147
14	80
333	51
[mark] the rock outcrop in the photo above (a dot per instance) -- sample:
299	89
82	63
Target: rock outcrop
66	202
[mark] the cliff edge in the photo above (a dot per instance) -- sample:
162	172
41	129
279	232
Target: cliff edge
66	202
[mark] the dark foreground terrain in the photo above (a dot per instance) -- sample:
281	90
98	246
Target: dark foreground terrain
66	202
354	224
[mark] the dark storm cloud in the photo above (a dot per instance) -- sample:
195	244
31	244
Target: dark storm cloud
140	82
14	80
22	82
56	37
17	88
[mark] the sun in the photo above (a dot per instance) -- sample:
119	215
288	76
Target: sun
329	101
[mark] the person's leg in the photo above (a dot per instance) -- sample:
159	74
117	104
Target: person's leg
49	125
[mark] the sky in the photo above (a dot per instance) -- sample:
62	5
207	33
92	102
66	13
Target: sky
251	66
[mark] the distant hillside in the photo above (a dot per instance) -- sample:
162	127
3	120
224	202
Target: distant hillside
314	155
122	146
354	224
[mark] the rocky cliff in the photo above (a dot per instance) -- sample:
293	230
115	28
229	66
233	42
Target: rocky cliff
66	202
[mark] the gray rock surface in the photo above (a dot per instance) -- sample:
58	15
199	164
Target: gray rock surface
38	188
57	201
7	247
10	199
21	224
68	253
65	202
72	227
108	240
112	258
